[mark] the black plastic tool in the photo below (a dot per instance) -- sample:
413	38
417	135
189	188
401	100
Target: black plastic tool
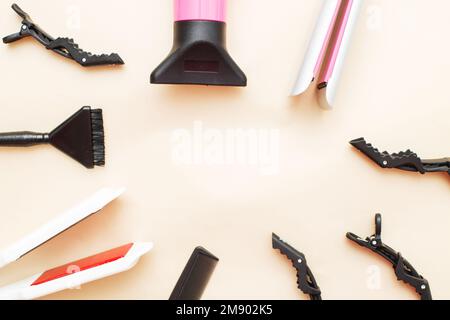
407	161
196	275
403	269
80	137
305	278
199	56
63	46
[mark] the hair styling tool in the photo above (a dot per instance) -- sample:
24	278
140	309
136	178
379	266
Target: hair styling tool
65	221
199	54
325	57
76	273
81	137
196	275
407	161
403	269
63	46
305	278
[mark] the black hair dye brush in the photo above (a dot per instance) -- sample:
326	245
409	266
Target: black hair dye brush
81	137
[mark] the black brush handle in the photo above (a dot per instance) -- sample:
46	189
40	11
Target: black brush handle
23	139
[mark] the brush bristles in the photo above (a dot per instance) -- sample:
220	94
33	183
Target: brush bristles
98	137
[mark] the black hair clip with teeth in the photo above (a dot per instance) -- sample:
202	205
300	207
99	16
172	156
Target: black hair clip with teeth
305	278
63	46
407	161
403	269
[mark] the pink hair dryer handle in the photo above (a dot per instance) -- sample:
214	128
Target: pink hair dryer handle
210	10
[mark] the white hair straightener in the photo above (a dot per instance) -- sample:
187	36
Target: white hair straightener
73	274
324	59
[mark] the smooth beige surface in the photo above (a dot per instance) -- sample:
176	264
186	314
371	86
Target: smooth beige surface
394	91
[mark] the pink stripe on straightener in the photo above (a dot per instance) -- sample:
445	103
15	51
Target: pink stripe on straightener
330	50
211	10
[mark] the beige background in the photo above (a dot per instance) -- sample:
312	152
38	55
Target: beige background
394	92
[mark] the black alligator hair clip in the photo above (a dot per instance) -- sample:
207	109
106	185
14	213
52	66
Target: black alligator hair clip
403	269
305	278
63	46
407	161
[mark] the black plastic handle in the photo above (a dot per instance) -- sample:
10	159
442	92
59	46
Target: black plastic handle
20	12
13	37
195	277
23	139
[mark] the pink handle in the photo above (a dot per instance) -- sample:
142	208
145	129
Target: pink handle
211	10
